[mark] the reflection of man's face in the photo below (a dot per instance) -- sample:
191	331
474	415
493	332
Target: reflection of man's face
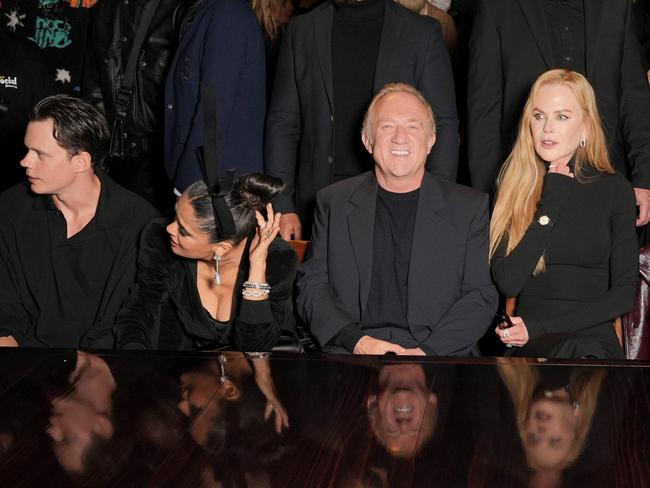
83	413
550	431
72	427
403	414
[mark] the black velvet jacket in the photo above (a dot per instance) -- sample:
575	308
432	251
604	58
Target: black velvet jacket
164	310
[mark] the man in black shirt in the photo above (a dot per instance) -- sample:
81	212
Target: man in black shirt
515	41
398	261
68	237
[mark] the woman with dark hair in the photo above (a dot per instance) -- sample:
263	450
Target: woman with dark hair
562	237
202	288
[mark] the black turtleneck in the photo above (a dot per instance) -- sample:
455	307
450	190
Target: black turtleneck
356	33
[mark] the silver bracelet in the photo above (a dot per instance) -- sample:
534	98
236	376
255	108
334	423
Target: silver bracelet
259	285
254	293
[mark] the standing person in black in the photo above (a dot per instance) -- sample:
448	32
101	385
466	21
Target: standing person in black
112	30
332	61
68	236
515	41
562	234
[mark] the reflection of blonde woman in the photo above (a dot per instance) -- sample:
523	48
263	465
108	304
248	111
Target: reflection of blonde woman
553	419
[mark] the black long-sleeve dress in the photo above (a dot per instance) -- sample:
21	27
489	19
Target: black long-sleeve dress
591	257
164	310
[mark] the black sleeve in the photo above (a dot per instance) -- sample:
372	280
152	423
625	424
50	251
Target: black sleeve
635	107
437	84
259	323
623	275
283	125
14	319
484	100
511	272
140	314
317	302
348	337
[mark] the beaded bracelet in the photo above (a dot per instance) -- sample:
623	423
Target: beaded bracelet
254	293
259	285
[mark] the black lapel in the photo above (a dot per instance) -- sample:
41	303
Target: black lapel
361	226
426	238
593	23
323	21
534	14
390	31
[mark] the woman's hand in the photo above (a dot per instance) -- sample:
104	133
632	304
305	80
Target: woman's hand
266	232
517	335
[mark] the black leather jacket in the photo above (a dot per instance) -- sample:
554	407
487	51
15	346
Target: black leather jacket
112	29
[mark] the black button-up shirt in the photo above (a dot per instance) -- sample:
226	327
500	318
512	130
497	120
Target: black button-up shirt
565	21
65	292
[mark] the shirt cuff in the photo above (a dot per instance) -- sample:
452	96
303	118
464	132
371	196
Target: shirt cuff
348	336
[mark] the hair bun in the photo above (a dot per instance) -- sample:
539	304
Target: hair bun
257	189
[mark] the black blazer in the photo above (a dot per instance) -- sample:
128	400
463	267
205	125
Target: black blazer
164	310
299	142
509	49
451	298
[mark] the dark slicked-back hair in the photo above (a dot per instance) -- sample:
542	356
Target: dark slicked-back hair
78	126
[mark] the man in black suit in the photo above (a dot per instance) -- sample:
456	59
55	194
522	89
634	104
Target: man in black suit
514	41
331	62
398	261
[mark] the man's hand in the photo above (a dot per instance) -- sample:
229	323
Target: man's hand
290	225
643	201
369	345
412	352
8	341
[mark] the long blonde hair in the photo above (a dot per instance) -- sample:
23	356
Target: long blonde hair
267	12
521	378
521	178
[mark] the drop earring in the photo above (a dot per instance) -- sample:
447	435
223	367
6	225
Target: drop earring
217	275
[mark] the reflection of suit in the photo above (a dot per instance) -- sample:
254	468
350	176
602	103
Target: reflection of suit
510	48
299	145
450	296
222	46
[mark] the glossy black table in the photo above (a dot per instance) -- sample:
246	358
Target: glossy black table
235	420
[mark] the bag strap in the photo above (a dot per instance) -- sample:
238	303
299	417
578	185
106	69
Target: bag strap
125	90
126	86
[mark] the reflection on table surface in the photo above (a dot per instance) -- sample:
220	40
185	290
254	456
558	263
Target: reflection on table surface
234	420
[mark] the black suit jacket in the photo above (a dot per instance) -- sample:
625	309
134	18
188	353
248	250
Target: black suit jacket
451	298
299	143
509	49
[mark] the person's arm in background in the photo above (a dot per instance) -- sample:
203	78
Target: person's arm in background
635	107
283	127
436	82
484	101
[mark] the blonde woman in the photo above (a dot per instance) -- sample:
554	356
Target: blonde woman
562	233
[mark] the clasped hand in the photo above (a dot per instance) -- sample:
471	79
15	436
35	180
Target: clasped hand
517	335
370	345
